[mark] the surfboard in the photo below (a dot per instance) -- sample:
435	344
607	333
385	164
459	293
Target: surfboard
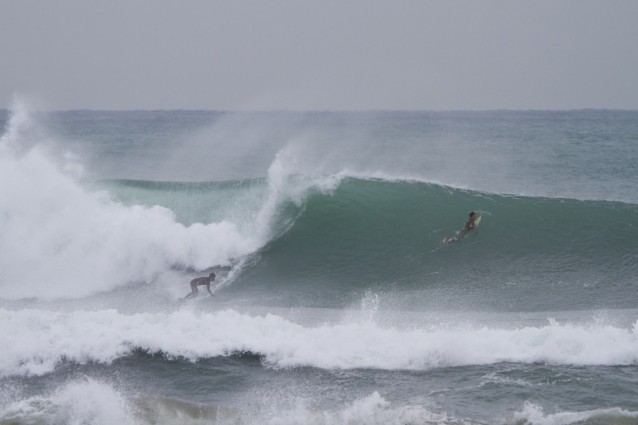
477	221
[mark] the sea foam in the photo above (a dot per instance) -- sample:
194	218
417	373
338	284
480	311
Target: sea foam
85	401
534	414
37	341
61	239
89	401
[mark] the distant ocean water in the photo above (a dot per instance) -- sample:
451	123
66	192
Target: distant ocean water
336	302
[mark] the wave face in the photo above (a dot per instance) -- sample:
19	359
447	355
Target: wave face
331	246
527	254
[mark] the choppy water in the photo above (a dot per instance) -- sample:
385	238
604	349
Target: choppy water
336	301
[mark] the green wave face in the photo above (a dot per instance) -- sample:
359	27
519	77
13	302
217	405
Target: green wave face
528	253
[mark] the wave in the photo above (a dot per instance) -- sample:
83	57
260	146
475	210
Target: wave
385	236
325	235
38	341
97	402
62	238
389	225
83	401
532	413
69	242
330	231
414	216
343	270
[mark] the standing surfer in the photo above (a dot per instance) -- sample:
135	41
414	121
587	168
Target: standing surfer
200	281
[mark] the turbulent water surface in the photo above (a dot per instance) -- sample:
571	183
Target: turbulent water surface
335	300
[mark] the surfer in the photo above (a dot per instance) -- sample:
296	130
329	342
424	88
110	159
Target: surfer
470	225
200	281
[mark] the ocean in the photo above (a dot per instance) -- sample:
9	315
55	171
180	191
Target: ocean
335	300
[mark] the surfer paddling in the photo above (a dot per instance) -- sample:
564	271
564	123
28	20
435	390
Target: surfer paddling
200	281
473	220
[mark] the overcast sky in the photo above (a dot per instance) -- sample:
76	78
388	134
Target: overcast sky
320	54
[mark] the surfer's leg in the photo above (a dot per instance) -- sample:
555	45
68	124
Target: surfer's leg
194	291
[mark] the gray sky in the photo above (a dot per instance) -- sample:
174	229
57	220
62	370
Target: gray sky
320	54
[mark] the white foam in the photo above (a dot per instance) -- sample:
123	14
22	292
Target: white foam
36	341
534	414
18	124
85	401
59	239
370	410
62	240
88	401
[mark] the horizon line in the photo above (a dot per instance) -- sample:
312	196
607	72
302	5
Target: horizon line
282	110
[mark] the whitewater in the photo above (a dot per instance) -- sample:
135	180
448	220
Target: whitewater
335	302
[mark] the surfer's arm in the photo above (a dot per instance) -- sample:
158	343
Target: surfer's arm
208	289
